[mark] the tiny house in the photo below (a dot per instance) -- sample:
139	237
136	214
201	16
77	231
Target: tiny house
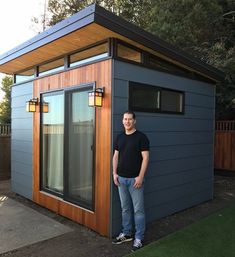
76	79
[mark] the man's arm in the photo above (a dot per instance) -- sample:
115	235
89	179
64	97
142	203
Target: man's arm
115	165
144	165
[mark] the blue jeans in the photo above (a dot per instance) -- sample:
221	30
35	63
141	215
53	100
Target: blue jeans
132	199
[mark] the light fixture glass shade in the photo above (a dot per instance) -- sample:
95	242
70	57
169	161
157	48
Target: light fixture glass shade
45	107
96	97
91	98
31	105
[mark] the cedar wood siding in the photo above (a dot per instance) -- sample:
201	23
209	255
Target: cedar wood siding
100	72
180	172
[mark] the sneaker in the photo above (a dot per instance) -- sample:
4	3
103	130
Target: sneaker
122	238
137	245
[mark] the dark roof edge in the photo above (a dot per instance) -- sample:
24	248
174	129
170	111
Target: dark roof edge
84	17
125	28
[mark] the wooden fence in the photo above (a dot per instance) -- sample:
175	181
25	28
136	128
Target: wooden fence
224	157
5	151
5	129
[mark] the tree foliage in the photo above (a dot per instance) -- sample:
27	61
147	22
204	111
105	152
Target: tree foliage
131	10
5	104
205	28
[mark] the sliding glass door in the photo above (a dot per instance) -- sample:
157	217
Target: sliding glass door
79	140
67	146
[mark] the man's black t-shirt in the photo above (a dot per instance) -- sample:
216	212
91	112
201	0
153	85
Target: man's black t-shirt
129	157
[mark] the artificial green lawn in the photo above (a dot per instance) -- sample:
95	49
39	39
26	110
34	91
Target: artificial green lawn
213	236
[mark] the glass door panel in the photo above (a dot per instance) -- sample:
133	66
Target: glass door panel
52	140
79	140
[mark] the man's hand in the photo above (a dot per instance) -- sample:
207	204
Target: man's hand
115	179
138	182
115	164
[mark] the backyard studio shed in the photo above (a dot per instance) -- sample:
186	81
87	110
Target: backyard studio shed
62	150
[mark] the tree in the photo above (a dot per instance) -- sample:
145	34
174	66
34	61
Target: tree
131	10
207	30
5	104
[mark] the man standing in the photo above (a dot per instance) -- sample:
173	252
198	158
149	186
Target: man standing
130	161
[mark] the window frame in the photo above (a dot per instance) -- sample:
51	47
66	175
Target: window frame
24	78
132	48
64	194
132	84
182	102
140	109
52	70
87	48
67	91
162	65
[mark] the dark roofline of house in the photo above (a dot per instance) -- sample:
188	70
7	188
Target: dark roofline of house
99	15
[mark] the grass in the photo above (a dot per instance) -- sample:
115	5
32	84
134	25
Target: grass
213	236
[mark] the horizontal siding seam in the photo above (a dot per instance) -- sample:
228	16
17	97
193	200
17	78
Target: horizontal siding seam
29	163
20	151
180	185
22	174
188	156
180	198
179	172
194	144
182	158
163	116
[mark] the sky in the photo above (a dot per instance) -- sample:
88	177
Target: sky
15	23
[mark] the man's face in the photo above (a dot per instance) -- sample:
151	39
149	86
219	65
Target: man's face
128	121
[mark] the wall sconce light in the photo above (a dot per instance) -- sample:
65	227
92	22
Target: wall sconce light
45	107
95	97
31	105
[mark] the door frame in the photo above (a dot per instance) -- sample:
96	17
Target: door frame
67	92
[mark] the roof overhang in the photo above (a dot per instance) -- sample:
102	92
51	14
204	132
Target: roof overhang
87	27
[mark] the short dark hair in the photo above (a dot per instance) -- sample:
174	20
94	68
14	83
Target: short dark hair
130	112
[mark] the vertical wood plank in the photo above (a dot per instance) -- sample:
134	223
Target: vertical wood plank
232	151
225	145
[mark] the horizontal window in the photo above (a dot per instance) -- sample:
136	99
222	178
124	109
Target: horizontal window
51	67
171	101
89	55
128	53
24	76
157	63
134	54
144	98
148	98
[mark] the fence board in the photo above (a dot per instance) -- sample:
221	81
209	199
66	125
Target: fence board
5	151
5	129
225	145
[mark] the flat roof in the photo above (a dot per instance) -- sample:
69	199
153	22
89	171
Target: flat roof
87	27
